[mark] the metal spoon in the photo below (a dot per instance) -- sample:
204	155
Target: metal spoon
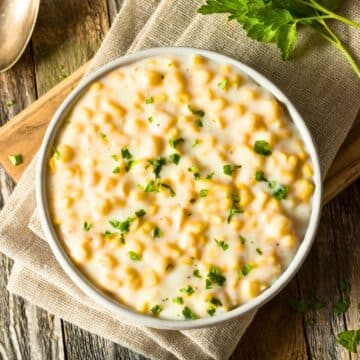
17	22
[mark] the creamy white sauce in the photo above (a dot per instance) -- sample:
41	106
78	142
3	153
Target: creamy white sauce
141	107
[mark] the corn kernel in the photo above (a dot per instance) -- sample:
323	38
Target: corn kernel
198	60
66	153
307	170
108	261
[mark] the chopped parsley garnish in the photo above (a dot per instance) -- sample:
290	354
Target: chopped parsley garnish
16	159
298	305
152	186
87	226
103	135
178	300
213	277
341	306
111	235
157	165
203	192
278	191
196	112
242	239
233	211
195	143
156	232
134	256
211	311
140	213
188	313
227	169
175	142
215	302
175	158
262	147
349	339
10	103
246	269
156	309
222	84
56	153
122	226
222	244
196	172
259	251
189	290
196	273
150	119
260	176
149	100
199	123
116	170
310	322
166	186
115	157
209	176
125	153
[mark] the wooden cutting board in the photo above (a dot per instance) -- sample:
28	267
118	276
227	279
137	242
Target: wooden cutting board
23	135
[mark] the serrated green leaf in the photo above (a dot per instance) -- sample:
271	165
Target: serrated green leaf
286	39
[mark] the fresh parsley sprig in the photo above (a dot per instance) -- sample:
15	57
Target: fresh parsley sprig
277	21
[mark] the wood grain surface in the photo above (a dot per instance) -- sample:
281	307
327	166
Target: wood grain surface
67	34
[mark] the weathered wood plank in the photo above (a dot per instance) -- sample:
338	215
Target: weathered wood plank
19	324
275	333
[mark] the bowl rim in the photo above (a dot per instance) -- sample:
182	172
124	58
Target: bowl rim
96	294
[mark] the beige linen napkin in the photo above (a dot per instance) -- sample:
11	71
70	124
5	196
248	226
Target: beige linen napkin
319	82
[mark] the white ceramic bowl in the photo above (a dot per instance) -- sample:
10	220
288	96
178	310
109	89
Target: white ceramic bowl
97	295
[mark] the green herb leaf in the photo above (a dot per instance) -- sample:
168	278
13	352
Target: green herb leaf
210	176
122	226
188	313
103	135
16	159
262	147
222	84
199	123
246	269
228	170
232	212
157	165
174	142
196	273
150	119
213	277
140	213
178	300
157	232
215	302
166	186
125	153
156	309
211	311
349	339
134	256
149	100
116	170
341	306
242	239
87	226
222	244
278	191
298	305
203	192
175	158
189	290
56	154
152	186
260	176
196	112
259	251
115	157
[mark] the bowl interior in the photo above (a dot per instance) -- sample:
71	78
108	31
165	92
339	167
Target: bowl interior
106	301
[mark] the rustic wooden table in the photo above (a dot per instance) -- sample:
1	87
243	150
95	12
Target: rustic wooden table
67	34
